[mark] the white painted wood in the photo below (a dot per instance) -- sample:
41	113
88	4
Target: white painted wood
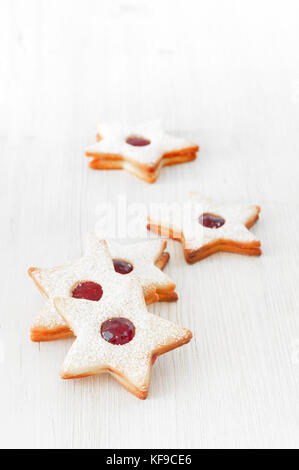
225	74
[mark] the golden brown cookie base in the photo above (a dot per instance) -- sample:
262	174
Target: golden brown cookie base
142	392
168	296
153	295
40	335
145	172
230	246
162	260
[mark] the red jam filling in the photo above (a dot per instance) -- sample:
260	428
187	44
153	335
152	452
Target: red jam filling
88	290
211	221
122	267
118	331
154	358
138	141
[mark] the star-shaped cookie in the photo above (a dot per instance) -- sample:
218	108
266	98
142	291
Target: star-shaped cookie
97	268
119	336
141	150
205	227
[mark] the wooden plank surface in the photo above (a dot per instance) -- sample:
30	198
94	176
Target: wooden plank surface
224	74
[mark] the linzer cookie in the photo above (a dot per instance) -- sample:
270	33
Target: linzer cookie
117	335
141	150
205	227
93	274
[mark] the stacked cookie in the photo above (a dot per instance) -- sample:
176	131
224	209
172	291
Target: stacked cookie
101	299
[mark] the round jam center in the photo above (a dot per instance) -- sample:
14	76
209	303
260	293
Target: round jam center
122	267
88	290
118	331
211	221
138	141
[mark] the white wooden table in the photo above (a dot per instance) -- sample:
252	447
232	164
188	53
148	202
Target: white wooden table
224	74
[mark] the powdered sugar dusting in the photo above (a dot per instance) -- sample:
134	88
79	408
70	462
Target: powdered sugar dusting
114	138
48	317
92	354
